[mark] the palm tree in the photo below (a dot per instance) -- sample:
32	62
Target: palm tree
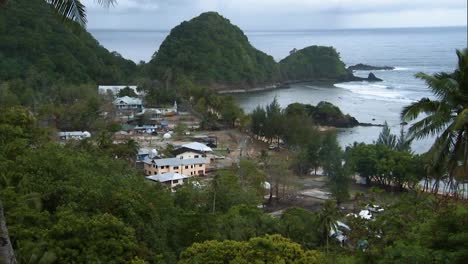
447	118
386	137
328	217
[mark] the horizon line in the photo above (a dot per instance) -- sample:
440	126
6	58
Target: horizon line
285	30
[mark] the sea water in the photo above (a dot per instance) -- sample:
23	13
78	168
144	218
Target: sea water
409	50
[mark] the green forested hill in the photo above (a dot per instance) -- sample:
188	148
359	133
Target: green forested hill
210	50
38	49
313	63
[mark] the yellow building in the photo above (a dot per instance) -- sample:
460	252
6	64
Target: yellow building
189	167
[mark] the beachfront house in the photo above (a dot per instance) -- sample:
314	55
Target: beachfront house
115	89
189	167
75	135
170	179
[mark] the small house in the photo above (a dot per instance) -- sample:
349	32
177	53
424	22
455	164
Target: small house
170	179
128	103
75	135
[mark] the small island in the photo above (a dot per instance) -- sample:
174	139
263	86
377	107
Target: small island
366	67
370	78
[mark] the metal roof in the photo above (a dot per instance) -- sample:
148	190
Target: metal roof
168	176
127	100
197	146
175	161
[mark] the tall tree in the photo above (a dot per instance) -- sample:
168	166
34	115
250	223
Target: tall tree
446	117
386	137
274	123
328	217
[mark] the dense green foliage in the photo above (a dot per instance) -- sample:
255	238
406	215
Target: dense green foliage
268	249
38	54
82	202
209	49
293	124
313	63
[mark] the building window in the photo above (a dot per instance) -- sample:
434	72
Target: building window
196	156
186	167
167	166
191	166
201	165
175	181
176	167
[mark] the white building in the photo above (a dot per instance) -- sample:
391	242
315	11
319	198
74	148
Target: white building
193	150
197	146
76	135
170	179
115	89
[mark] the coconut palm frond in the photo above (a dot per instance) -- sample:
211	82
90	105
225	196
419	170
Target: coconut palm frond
70	9
74	9
429	126
461	121
425	105
441	84
106	3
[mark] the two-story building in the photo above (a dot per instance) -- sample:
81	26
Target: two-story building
128	106
189	167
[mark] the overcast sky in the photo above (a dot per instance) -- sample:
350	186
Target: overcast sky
281	14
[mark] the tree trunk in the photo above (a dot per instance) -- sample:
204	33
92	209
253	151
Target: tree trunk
277	191
7	255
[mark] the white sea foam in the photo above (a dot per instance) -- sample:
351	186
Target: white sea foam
401	69
373	91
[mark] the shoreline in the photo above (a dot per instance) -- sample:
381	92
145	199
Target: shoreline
251	90
285	85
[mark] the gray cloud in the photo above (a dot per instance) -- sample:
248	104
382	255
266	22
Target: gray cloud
281	14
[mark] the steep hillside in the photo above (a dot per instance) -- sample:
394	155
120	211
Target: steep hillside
210	50
36	46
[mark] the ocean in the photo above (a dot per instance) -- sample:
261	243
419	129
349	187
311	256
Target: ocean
409	50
